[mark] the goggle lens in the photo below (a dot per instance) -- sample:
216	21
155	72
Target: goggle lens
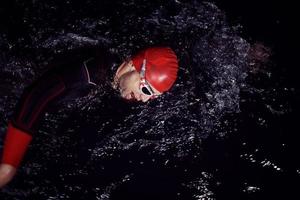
146	91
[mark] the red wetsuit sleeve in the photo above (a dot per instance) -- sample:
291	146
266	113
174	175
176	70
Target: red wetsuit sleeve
62	81
30	109
15	145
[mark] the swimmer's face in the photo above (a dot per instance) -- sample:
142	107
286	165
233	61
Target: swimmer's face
129	83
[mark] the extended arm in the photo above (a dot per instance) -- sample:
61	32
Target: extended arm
21	128
67	73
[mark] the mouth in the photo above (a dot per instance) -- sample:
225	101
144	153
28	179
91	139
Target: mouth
132	96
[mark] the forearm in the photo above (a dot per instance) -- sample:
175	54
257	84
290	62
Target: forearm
21	128
29	111
15	145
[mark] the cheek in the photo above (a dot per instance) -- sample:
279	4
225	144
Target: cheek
130	82
136	84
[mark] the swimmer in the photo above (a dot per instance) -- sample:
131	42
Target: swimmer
145	76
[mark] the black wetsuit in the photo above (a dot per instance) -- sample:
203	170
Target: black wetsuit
72	76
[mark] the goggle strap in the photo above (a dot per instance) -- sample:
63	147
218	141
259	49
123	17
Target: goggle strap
143	69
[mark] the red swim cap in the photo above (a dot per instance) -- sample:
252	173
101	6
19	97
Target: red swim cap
161	66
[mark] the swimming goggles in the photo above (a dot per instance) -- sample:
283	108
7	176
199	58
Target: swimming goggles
145	88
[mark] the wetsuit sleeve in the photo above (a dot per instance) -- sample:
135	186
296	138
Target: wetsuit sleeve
29	110
66	78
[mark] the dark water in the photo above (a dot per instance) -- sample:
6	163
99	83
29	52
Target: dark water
227	130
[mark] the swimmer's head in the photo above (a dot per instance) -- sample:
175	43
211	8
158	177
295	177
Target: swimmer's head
148	74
